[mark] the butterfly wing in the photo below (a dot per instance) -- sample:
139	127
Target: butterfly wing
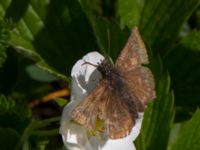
138	79
87	111
105	103
120	111
118	120
133	54
140	82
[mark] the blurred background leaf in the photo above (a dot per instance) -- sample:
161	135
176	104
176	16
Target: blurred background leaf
186	81
188	137
183	64
13	120
8	138
49	33
159	21
5	27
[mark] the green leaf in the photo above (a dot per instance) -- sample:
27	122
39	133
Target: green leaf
110	37
6	104
61	101
92	6
13	115
50	33
5	27
8	138
130	12
160	21
185	78
39	74
40	62
189	135
159	115
32	130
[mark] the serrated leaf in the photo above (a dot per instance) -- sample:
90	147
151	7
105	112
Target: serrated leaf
189	135
50	32
6	104
158	117
160	21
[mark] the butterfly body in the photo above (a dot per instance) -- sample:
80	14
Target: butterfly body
116	84
125	90
111	74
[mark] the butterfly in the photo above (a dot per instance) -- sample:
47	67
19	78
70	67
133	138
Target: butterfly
124	90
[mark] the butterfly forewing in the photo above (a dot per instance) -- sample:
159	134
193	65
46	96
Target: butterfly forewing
133	54
138	79
88	110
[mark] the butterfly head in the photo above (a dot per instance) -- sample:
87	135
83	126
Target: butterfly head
105	68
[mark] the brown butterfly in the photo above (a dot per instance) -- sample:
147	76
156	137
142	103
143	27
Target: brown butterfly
124	91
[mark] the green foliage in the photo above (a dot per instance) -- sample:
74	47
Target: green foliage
189	135
186	81
158	18
40	42
159	115
8	138
5	27
12	122
61	102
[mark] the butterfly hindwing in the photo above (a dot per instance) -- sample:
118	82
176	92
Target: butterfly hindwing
140	83
118	119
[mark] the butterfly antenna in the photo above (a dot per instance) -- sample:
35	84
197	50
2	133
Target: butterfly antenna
86	62
109	45
108	48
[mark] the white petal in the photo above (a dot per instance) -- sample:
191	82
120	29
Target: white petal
75	136
125	143
136	129
86	75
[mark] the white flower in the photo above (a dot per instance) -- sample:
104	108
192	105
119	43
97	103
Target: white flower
84	79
